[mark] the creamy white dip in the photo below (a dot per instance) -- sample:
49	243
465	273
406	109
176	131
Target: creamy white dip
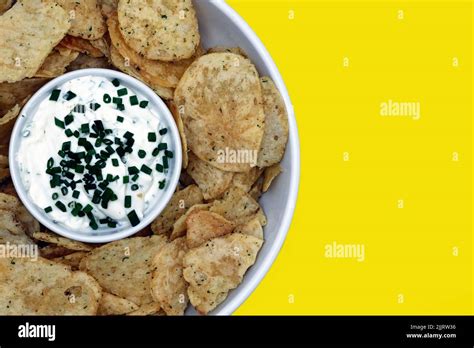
52	140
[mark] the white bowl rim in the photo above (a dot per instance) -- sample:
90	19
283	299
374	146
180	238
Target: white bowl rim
152	213
249	284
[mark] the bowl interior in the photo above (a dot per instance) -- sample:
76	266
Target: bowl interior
103	234
222	26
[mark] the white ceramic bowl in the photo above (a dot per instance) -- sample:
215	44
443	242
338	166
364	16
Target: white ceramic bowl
103	234
220	25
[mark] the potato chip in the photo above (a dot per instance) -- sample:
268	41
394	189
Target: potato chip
72	260
238	206
114	305
14	239
179	124
123	267
165	74
159	29
44	287
28	34
83	61
152	308
52	251
5	5
19	214
56	63
177	206
67	243
108	7
218	266
251	228
222	49
220	97
168	286
202	226
245	180
212	181
14	93
7	187
179	227
87	20
9	222
81	45
269	175
123	64
30	224
7	122
276	129
4	168
102	45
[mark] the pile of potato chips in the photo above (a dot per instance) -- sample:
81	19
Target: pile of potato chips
234	130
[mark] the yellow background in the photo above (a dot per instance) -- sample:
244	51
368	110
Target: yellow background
410	266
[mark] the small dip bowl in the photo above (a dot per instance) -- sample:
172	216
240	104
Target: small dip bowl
103	234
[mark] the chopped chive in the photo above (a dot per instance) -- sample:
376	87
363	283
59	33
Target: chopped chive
161	184
76	194
116	82
155	152
121	92
169	154
87	209
79	169
159	168
117	100
69	133
128	135
66	146
120	107
85	128
112	224
126	179
133	170
162	146
141	153
48	210
107	142
79	108
107	99
64	191
61	206
70	95
165	162
55	94
94	106
50	163
115	162
145	169
144	104
110	178
134	187
135	177
77	134
152	137
68	119
120	119
133	217
55	196
133	100
109	149
128	202
163	131
93	225
59	123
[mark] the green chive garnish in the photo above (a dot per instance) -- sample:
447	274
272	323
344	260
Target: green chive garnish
66	146
128	202
161	184
143	104
94	106
159	168
70	95
163	131
85	128
126	179
61	206
48	210
141	153
155	152
116	82
107	99
50	163
133	100
162	146
165	162
55	94
59	123
152	137
121	92
87	209
64	191
145	169
55	196
120	119
133	217
76	194
133	170
169	154
115	162
134	187
69	133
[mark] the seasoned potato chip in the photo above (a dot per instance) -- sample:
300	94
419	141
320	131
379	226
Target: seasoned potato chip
238	206
123	267
251	228
83	61
108	7
82	46
212	181
9	222
87	20
245	180
222	49
44	287
217	267
102	45
269	175
14	239
72	260
160	29
220	97
28	33
27	222
5	5
14	93
151	308
256	190
168	286
67	243
123	64
276	129
203	225
179	123
56	63
177	206
52	251
114	305
4	168
179	227
7	122
165	74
